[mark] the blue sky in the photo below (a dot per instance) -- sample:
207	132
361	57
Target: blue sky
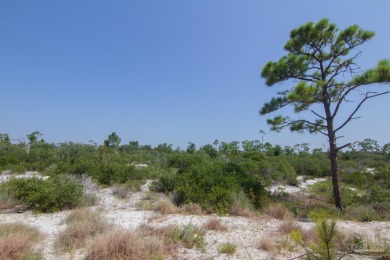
164	71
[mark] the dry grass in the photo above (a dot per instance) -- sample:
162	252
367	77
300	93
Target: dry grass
267	244
192	209
237	209
165	206
215	224
163	233
17	241
124	245
286	243
286	227
88	200
278	211
309	236
188	235
83	224
148	202
120	191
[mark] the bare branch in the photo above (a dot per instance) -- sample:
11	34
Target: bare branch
318	114
343	98
343	146
358	107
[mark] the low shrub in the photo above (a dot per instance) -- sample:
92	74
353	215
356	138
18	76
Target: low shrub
227	248
318	213
190	236
325	189
361	213
54	194
213	184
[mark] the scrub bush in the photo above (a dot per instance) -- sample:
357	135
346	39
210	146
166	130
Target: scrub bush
54	194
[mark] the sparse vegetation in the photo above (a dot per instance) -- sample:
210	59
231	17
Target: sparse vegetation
124	245
165	206
188	235
227	248
278	211
17	242
82	225
216	225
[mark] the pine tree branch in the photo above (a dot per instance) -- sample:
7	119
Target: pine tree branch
318	114
343	146
358	107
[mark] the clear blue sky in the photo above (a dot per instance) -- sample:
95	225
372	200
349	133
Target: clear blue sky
164	71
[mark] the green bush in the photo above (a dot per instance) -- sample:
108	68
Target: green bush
165	184
190	236
361	213
325	189
53	194
183	161
213	184
359	179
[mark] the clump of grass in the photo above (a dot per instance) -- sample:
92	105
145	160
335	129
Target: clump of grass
278	211
239	210
83	224
189	235
135	185
148	202
286	227
240	205
17	241
191	208
88	200
267	244
286	243
124	245
120	191
227	248
165	206
215	224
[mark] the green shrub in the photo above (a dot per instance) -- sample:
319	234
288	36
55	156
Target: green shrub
183	161
190	236
213	184
361	213
320	213
359	179
325	189
114	172
53	194
165	184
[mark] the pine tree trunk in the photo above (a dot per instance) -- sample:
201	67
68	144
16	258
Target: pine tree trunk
334	167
